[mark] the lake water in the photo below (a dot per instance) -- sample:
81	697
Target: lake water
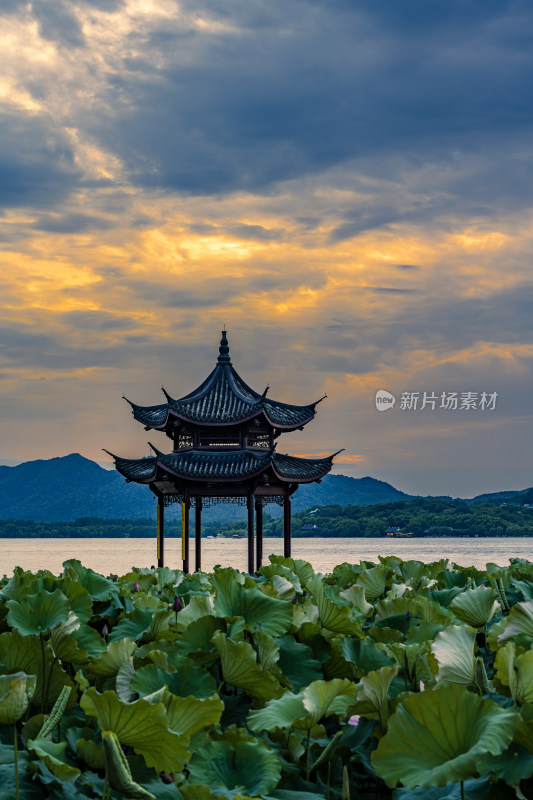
119	555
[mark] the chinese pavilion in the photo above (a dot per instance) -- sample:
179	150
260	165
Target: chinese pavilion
224	450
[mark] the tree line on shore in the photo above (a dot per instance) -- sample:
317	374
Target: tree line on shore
421	517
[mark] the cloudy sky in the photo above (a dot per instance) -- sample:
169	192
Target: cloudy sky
346	185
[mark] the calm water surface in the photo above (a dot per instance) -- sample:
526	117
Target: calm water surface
119	555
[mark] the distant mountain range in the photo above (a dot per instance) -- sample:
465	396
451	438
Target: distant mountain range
67	488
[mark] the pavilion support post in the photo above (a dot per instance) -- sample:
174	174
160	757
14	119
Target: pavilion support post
185	531
250	504
160	532
259	532
198	535
287	526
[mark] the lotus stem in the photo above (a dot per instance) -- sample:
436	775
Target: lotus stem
44	673
329	780
307	769
462	790
16	761
345	784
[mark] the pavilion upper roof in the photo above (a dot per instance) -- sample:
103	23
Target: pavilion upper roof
229	466
223	399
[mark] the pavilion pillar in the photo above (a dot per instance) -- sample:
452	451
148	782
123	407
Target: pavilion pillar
250	504
160	532
259	532
287	526
185	531
198	535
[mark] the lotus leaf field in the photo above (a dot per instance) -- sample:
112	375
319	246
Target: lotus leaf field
391	680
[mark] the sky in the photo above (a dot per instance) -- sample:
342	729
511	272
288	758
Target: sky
345	185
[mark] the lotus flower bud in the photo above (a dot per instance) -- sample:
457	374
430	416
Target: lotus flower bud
166	778
354	720
177	604
295	599
136	587
105	629
408	615
115	577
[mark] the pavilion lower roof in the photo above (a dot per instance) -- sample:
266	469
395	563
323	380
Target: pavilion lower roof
228	466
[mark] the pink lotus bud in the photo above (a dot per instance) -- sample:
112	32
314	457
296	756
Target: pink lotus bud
177	605
354	721
136	587
105	629
166	778
115	577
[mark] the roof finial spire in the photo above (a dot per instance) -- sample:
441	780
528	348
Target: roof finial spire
223	350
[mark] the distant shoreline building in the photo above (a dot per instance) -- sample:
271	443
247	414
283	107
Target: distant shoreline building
224	450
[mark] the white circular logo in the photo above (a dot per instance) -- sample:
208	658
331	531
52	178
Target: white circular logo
384	400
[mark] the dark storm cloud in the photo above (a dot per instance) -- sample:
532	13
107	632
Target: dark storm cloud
36	164
73	223
303	87
57	22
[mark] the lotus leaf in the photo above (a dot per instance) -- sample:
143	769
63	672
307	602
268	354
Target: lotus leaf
515	672
355	596
372	699
224	766
438	737
118	770
240	668
519	624
15	693
476	606
142	725
336	618
305	709
188	715
454	651
374	581
116	656
38	613
53	755
297	662
187	680
132	626
79	599
98	587
302	569
259	611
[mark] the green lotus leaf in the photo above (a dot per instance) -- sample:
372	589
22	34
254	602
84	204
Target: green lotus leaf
454	651
64	646
512	766
248	767
297	662
91	752
28	788
198	607
202	792
38	613
89	641
141	725
475	789
23	654
168	577
259	611
53	755
439	737
365	656
519	623
302	569
19	585
79	598
132	626
15	693
115	657
476	606
305	709
117	769
334	617
355	596
372	698
271	570
98	587
374	582
150	602
267	651
188	715
196	638
240	668
515	672
187	680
